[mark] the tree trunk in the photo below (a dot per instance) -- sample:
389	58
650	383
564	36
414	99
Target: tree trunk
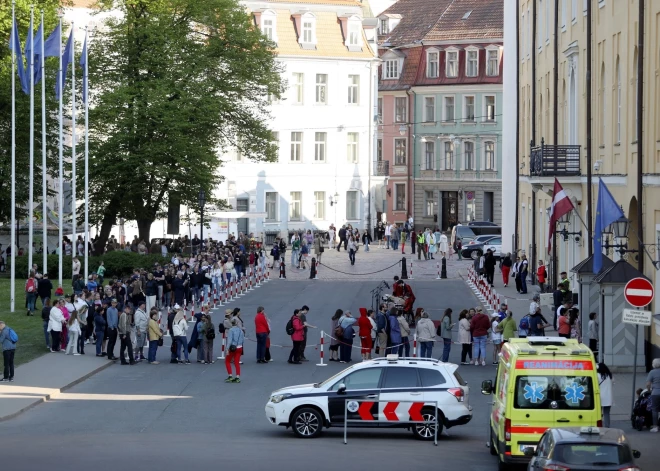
109	221
144	228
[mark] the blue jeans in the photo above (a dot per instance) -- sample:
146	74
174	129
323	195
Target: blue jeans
31	301
239	271
425	349
445	350
366	247
395	244
294	257
153	348
46	334
479	347
206	289
523	283
182	342
404	347
195	294
261	346
351	256
168	298
99	341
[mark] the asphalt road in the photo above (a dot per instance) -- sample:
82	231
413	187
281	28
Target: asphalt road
168	416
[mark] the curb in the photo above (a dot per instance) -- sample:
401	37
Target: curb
56	391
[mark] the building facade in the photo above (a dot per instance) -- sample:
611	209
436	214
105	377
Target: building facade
552	127
323	124
440	95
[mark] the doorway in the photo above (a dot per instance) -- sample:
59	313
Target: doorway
242	223
449	209
488	206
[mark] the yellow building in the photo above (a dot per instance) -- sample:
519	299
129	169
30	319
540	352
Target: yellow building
553	111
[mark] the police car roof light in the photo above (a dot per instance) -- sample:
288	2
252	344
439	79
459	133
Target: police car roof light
392	357
590	430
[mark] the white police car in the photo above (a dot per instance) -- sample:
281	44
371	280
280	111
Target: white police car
396	390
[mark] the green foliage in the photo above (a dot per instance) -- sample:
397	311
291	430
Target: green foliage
117	264
23	107
173	83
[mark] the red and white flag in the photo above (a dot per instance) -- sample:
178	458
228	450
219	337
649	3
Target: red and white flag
561	204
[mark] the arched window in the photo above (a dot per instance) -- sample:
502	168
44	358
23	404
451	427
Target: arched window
603	119
618	101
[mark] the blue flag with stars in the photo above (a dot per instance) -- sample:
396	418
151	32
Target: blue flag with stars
607	211
15	46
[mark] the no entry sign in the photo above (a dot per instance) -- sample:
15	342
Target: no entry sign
639	292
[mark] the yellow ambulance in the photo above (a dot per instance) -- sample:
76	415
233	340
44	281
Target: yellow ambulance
542	382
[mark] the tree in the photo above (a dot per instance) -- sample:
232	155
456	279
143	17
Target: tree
173	83
23	109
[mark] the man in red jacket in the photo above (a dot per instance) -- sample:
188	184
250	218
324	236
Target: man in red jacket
263	329
479	326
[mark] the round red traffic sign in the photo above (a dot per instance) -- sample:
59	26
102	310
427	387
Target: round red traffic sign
638	292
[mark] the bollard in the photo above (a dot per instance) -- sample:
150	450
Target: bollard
312	269
282	270
322	342
222	349
250	288
404	271
415	345
411	277
443	272
437	266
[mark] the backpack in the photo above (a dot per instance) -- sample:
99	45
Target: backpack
210	333
13	337
289	327
438	331
221	328
30	286
524	325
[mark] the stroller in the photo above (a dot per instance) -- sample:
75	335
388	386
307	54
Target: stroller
642	415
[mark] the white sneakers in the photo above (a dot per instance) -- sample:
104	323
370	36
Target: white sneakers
483	362
654	429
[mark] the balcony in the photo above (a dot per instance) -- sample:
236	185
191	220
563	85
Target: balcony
554	161
382	168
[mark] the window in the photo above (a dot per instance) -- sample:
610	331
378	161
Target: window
574	453
308	31
563	14
540	392
452	64
319	204
618	101
322	89
353	34
431	377
468	155
449	109
523	45
429	109
400	114
271	206
351	205
295	206
449	155
362	379
603	115
398	377
384	29
380	111
472	63
352	147
548	15
469	108
268	28
296	146
574	10
353	89
379	150
400	196
400	151
391	69
432	64
429	155
275	141
320	139
489	160
298	79
635	89
493	66
490	108
539	25
431	204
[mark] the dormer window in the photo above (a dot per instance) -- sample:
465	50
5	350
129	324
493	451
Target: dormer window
452	63
391	69
471	62
268	22
384	26
432	63
352	30
492	61
308	31
353	34
306	27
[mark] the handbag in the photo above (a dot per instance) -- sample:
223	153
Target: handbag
321	249
232	348
160	342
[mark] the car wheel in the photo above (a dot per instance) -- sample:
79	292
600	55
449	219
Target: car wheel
502	466
426	431
493	449
307	423
475	254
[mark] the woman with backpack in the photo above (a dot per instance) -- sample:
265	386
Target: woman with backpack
334	342
446	326
464	337
346	333
155	335
296	328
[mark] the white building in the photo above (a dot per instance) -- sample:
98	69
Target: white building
324	123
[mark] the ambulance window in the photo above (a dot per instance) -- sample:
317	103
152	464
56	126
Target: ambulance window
554	392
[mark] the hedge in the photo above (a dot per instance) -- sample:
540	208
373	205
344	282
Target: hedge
117	264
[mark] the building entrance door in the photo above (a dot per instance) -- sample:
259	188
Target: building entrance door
449	209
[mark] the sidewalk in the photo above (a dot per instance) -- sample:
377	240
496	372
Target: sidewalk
44	378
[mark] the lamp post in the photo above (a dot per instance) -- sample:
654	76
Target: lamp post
202	201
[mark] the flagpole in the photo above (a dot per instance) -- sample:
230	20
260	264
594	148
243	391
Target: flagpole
74	238
61	169
31	191
12	288
44	183
86	97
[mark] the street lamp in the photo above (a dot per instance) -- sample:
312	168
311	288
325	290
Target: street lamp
202	201
334	199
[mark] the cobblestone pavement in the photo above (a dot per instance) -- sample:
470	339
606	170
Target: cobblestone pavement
377	263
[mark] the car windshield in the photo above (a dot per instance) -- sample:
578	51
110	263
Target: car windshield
554	392
591	454
332	379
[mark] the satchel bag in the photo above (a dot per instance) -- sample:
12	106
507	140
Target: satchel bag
160	342
321	249
339	331
232	348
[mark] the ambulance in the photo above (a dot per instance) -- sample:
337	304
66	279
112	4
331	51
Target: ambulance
541	382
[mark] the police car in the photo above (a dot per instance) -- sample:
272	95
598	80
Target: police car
385	392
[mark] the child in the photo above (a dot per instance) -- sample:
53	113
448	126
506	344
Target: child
496	336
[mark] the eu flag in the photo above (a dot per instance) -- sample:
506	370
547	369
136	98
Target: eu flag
15	46
36	46
83	64
67	58
607	211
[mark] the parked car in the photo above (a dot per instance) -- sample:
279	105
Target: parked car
468	233
476	250
569	448
307	409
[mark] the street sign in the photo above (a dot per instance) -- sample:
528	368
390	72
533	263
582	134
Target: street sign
631	316
638	292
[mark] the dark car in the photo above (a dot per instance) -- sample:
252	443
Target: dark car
475	248
583	449
481	223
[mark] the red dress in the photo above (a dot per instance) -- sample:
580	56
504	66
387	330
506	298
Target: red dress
364	325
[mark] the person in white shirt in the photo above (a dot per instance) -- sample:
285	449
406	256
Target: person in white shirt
73	326
55	321
495	336
388	231
605	384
